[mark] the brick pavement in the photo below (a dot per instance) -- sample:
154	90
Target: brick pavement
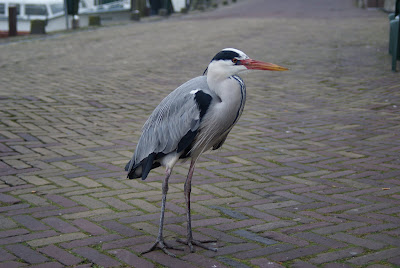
308	178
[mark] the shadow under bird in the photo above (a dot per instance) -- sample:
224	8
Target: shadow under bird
195	117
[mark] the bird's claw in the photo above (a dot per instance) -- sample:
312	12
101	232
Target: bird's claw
191	242
160	243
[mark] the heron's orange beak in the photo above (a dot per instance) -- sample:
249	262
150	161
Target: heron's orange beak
260	65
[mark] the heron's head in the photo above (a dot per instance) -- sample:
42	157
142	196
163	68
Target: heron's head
231	61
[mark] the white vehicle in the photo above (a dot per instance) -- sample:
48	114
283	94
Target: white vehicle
28	10
52	11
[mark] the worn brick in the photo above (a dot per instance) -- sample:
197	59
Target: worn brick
339	227
120	228
375	256
131	259
60	225
264	251
5	256
30	222
297	253
60	255
271	226
62	201
371	244
234	249
285	238
13	232
89	213
89	241
26	253
336	255
89	227
55	239
8	199
96	257
265	263
323	240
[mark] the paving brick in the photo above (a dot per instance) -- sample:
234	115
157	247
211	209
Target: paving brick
59	212
60	255
265	263
297	253
337	228
89	241
384	238
120	228
96	257
285	238
12	264
48	265
116	203
62	201
336	255
302	264
319	239
337	265
27	237
121	243
234	249
304	227
27	254
271	226
89	202
276	205
89	227
60	225
200	261
8	199
29	209
238	224
89	213
131	259
5	256
264	251
142	204
232	263
13	232
231	213
87	182
371	244
220	235
254	237
55	239
30	223
165	260
375	256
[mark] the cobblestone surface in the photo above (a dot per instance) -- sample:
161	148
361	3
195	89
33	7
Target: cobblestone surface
309	177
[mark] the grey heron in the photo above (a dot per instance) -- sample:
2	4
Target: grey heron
195	117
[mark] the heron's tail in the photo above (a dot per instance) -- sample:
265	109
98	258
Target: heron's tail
133	171
143	168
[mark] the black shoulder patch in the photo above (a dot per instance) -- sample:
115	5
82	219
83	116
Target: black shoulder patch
225	55
203	101
186	140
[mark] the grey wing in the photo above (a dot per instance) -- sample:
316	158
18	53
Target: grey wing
176	117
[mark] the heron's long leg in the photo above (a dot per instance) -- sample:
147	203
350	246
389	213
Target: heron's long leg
188	188
160	239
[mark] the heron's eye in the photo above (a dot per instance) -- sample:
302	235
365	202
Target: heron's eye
234	60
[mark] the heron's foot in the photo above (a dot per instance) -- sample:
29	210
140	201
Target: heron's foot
191	243
160	243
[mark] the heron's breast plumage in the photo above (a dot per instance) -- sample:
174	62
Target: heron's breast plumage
223	113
